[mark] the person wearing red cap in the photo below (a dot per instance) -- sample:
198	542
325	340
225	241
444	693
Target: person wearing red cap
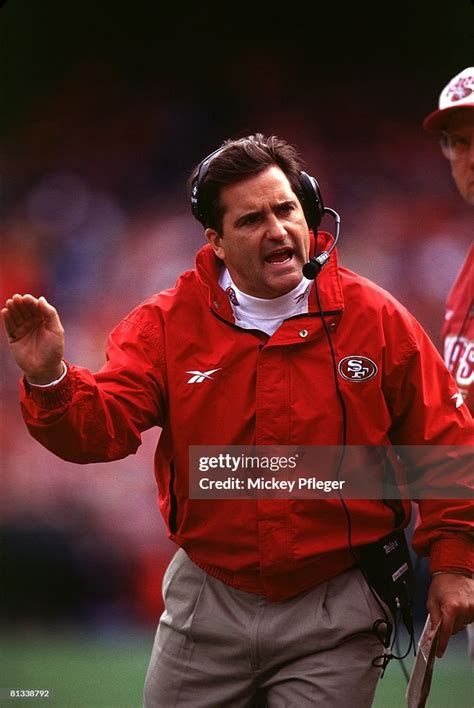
453	123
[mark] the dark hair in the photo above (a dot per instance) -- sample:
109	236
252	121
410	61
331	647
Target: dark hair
237	160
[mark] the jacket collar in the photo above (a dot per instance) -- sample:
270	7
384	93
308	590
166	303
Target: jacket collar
329	280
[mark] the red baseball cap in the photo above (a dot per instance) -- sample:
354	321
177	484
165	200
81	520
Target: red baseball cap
459	93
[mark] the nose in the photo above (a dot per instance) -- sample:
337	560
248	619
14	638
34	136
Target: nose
275	228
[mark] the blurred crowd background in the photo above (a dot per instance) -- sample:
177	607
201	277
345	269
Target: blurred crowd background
104	114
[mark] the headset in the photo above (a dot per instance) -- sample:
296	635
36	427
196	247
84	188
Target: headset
311	202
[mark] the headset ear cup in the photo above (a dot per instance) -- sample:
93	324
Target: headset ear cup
197	207
194	201
312	201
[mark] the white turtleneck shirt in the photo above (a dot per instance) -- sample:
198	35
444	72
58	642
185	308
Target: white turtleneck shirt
263	314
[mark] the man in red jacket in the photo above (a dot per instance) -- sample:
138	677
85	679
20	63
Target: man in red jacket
265	595
453	124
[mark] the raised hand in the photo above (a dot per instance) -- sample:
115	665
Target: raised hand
36	337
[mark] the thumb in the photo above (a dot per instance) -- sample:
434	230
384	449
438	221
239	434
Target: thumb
45	307
48	311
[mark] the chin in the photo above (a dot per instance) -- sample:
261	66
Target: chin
285	284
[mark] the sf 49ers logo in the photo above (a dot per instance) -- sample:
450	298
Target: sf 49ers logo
357	368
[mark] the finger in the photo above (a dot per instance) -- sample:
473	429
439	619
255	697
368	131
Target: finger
445	632
435	615
14	314
22	309
460	624
13	330
26	306
9	324
461	628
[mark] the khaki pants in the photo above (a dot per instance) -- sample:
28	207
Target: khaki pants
217	647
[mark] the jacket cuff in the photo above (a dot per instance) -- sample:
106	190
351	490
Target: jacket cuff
453	553
51	397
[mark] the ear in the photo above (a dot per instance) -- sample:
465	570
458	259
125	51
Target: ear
216	243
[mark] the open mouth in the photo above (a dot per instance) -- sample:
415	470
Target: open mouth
279	256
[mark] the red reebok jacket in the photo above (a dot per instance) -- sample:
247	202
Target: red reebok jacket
265	390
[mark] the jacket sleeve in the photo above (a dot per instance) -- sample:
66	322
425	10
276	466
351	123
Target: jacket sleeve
100	417
435	432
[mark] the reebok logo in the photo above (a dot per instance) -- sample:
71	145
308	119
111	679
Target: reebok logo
199	376
457	397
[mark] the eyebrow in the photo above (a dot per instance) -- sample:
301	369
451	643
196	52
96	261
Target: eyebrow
258	212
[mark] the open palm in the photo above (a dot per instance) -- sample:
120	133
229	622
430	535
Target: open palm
36	337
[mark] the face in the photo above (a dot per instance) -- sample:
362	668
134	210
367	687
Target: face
265	239
460	151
